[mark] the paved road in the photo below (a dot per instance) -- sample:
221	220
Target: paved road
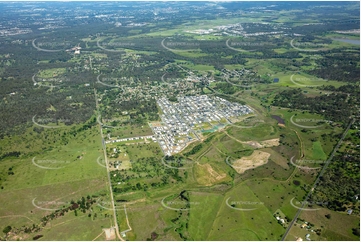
317	180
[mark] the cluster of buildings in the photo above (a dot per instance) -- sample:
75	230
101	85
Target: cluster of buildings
129	139
149	90
236	30
14	31
238	73
76	49
182	118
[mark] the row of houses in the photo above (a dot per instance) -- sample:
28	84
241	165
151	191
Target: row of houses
130	139
181	118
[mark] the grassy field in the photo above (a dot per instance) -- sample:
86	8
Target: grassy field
260	132
48	177
53	72
56	168
199	67
202	217
255	223
338	227
128	131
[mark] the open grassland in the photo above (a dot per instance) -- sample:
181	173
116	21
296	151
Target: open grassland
275	194
53	171
128	131
207	175
258	133
202	217
34	203
199	67
314	133
53	72
255	219
138	151
55	164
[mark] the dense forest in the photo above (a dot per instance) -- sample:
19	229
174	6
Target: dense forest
338	106
340	184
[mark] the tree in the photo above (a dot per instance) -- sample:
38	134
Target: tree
356	231
328	216
7	229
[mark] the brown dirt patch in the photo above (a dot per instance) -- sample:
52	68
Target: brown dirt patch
257	158
254	144
208	176
270	143
263	144
109	234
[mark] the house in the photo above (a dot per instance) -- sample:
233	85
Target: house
349	212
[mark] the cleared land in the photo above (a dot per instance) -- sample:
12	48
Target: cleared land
258	158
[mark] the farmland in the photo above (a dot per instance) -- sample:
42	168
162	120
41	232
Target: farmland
179	121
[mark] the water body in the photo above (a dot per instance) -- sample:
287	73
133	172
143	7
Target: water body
350	41
214	128
279	119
